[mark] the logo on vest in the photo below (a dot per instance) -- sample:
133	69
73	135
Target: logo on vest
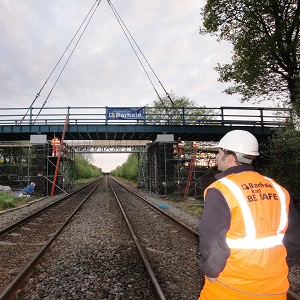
257	194
256	185
263	196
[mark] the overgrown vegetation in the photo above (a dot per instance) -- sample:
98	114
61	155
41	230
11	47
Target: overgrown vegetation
84	170
129	169
9	201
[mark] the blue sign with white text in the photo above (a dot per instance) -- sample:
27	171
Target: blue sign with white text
125	113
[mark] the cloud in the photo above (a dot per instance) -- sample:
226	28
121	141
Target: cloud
109	162
103	70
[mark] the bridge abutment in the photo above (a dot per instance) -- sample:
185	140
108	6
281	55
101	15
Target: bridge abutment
161	167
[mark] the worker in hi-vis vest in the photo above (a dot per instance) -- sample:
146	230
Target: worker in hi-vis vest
55	143
249	229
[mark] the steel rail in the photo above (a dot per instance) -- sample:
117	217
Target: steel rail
26	219
290	294
10	290
191	230
147	265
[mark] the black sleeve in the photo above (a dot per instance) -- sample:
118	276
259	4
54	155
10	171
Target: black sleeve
291	238
213	226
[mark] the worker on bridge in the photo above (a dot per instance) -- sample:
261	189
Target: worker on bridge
249	230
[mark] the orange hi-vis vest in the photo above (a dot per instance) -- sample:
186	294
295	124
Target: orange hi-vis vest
259	219
55	142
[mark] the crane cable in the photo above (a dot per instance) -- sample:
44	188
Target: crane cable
94	7
123	26
67	60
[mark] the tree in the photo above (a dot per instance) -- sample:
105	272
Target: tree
85	170
181	109
266	47
129	169
281	159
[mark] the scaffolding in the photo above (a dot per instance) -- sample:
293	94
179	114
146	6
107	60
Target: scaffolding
24	162
143	176
182	169
160	163
194	169
191	170
15	161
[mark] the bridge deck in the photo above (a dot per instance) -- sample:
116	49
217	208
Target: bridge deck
94	123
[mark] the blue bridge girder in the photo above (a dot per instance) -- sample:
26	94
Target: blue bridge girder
93	123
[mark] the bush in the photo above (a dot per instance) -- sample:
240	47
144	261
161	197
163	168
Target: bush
129	169
281	155
85	170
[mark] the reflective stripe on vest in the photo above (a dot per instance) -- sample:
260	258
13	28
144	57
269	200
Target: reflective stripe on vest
55	142
250	241
284	216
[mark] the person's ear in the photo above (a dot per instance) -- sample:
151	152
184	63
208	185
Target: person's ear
230	158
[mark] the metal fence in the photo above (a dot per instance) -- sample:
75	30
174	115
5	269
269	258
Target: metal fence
225	115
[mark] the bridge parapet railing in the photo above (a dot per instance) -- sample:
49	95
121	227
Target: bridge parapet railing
222	116
255	116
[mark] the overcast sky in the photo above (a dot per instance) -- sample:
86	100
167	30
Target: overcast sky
104	70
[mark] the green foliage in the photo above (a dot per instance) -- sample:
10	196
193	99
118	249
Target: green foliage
14	155
176	109
129	169
266	47
282	156
85	170
8	201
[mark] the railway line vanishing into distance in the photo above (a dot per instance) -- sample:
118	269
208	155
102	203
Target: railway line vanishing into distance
100	242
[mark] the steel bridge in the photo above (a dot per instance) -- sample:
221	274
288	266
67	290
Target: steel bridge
139	123
151	132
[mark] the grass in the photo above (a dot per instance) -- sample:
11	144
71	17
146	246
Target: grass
81	181
85	180
9	201
192	206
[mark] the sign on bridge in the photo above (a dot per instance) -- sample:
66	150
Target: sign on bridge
125	113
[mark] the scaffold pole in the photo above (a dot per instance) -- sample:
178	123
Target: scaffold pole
192	165
59	155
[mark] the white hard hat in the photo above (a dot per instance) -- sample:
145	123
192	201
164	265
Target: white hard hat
240	142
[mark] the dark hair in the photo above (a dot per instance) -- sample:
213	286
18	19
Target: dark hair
229	152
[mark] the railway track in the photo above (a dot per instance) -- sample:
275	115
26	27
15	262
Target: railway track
95	255
108	265
290	296
25	241
168	247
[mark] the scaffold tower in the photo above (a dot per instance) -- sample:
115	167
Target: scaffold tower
24	162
